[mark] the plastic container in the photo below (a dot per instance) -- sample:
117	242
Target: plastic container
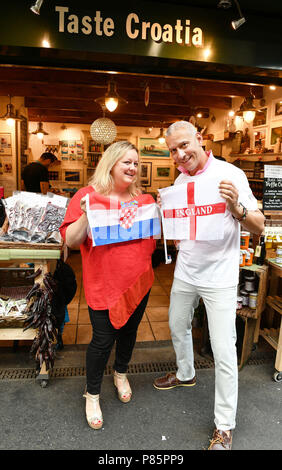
249	257
245	298
244	240
250	283
253	300
242	258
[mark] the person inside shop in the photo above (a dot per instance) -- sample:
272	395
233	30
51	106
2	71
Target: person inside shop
35	176
209	270
117	277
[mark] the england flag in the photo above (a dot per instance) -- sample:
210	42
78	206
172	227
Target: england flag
193	211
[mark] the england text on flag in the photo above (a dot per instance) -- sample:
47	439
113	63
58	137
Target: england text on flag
113	222
193	211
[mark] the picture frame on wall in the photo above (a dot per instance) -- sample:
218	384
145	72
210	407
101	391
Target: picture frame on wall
146	173
276	112
151	148
261	117
5	144
275	133
260	137
162	172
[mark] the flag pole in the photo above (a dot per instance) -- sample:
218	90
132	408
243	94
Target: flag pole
168	259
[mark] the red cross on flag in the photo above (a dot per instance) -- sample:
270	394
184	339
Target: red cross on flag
193	211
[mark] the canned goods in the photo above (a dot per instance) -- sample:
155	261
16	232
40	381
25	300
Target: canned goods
249	283
249	257
245	298
253	300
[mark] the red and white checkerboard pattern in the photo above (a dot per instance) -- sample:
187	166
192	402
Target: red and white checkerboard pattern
127	216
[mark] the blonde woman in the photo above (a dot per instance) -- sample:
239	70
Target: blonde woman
117	277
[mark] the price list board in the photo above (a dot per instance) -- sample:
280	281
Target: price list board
272	188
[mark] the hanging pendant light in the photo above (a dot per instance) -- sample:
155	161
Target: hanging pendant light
161	137
103	130
111	99
36	7
40	132
11	115
247	109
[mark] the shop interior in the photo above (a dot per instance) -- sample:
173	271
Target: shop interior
67	113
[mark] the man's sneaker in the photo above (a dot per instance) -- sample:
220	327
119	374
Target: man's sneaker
170	381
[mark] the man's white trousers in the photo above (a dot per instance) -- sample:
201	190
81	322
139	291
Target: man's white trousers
220	306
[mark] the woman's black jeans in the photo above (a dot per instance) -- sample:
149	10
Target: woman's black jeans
104	336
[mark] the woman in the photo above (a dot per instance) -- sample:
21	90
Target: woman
117	277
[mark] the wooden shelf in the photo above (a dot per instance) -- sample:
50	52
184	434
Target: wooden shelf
271	336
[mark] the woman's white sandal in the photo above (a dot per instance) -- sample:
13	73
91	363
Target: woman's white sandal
94	416
124	391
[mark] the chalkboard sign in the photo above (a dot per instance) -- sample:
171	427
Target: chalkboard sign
272	188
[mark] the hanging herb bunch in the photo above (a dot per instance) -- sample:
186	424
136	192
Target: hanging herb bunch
40	316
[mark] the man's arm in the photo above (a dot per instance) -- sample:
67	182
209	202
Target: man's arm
44	186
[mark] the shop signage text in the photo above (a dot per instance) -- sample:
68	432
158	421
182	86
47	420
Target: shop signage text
134	27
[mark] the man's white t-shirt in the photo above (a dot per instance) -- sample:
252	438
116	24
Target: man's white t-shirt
215	263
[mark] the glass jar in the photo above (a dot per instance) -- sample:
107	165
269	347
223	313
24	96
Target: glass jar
253	300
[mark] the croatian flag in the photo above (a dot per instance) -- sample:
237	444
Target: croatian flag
193	211
113	222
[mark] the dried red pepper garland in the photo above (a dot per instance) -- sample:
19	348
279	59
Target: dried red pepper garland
41	317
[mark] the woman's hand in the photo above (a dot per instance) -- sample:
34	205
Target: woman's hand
83	204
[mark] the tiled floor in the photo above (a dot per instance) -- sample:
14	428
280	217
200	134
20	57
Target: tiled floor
154	325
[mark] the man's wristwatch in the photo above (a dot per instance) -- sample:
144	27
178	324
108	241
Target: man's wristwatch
245	213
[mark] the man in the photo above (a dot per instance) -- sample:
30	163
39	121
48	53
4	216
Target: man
209	269
35	177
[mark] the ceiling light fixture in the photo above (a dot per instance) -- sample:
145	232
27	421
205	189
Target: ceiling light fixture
11	115
40	132
103	130
224	4
36	7
111	99
247	109
237	23
161	137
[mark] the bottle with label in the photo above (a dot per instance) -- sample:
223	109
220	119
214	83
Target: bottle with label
260	251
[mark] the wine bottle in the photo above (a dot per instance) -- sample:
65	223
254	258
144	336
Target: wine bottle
261	253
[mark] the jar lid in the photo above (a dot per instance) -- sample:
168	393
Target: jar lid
251	250
253	294
245	234
244	292
250	277
239	299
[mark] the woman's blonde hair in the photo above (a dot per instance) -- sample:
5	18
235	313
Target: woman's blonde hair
102	180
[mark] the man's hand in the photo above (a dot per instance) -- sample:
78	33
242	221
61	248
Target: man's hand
229	192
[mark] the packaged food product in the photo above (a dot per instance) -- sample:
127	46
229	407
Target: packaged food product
249	282
242	258
279	254
239	303
253	300
245	298
244	240
249	257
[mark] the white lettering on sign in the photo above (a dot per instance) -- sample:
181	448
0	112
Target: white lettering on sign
71	23
167	33
135	28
